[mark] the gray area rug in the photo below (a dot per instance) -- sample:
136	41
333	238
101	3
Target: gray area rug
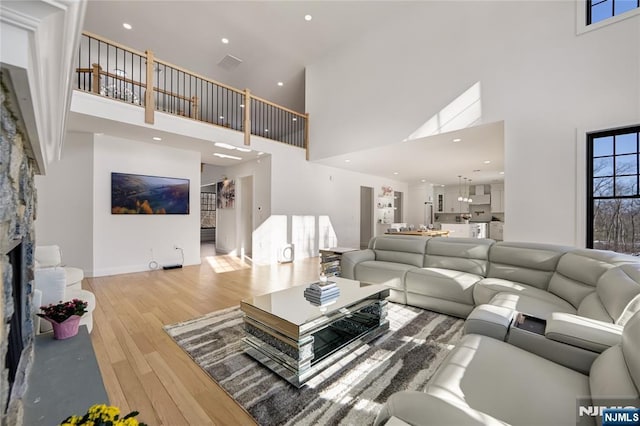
349	393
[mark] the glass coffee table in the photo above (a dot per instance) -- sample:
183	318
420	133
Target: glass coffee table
297	339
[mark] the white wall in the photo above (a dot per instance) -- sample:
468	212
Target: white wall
123	243
211	174
228	221
301	188
535	73
65	203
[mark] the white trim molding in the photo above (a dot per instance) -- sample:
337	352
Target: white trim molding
39	43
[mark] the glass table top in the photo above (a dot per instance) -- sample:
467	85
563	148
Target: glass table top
290	304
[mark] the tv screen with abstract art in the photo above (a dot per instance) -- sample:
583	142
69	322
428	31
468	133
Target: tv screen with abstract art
140	194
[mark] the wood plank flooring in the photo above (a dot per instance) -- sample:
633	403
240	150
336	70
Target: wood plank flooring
142	368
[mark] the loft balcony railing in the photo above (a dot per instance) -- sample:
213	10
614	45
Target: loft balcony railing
110	69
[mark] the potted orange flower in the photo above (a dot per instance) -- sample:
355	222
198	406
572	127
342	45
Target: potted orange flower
64	317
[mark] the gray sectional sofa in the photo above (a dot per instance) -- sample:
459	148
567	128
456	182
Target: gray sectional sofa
453	275
545	324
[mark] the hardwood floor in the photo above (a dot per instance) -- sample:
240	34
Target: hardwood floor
142	368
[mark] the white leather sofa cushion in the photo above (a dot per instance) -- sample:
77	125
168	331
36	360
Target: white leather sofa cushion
582	332
350	259
482	375
616	289
508	383
528	263
533	306
400	249
388	273
418	408
592	307
445	284
579	270
377	272
460	254
489	320
486	289
437	304
631	349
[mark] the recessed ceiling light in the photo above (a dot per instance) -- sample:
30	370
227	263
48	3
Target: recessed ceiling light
396	173
423	181
457	140
280	84
126	26
230	157
501	173
347	161
225	41
487	161
442	186
308	17
156	138
224	145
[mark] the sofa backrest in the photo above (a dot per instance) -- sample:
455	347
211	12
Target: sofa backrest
47	256
616	297
616	371
579	270
405	249
527	263
461	254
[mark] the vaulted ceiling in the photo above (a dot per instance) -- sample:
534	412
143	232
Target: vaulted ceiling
275	43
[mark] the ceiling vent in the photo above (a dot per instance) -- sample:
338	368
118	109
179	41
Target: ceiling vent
229	62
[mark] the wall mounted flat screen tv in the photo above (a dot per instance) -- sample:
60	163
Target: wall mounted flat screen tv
141	194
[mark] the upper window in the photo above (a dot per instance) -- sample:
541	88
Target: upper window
599	10
613	205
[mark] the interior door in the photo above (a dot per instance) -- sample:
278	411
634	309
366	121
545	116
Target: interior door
366	216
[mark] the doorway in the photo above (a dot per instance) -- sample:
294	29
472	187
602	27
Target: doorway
397	206
366	216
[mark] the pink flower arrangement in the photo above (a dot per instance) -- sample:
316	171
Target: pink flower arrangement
63	310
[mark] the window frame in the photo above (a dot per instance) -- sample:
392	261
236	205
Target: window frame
589	8
590	199
582	27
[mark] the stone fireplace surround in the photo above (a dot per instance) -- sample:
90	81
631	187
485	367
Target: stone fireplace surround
17	214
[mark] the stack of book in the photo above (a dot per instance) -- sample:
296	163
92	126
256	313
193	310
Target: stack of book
320	293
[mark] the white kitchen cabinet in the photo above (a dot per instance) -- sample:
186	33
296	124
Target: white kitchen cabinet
451	203
497	198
